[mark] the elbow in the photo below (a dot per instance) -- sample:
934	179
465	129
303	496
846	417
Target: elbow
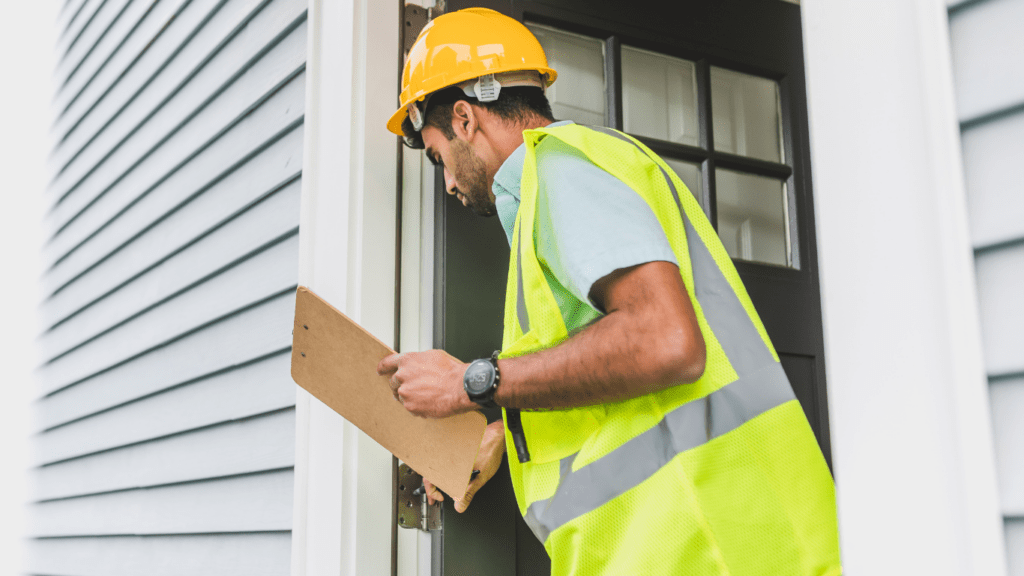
683	357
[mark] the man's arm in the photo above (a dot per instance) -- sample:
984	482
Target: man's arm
648	340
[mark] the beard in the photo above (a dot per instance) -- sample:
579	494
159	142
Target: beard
471	174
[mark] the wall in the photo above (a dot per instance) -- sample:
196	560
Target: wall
908	401
165	420
988	66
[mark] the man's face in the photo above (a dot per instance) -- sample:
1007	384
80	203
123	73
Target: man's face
465	173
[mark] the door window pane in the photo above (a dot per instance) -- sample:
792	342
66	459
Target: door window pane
753	217
689	174
578	93
746	115
659	96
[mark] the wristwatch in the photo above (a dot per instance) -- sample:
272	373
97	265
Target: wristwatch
481	380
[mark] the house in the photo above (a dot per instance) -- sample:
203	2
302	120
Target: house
210	156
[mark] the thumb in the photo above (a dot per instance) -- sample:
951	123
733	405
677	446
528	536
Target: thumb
463	503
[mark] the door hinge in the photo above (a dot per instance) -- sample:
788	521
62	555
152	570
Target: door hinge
413	510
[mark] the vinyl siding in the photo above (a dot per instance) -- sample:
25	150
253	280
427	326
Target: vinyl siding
165	417
988	65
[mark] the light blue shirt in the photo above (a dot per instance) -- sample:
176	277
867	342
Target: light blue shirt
588	224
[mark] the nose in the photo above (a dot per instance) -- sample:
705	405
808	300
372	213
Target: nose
449	181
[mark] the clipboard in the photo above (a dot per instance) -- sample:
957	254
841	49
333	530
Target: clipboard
336	360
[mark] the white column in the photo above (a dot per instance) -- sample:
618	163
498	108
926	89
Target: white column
343	479
909	413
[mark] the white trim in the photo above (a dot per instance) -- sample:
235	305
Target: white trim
414	546
910	422
342	515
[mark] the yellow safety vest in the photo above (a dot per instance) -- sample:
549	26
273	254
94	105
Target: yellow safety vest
722	476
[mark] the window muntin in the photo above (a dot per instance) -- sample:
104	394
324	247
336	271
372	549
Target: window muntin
752	200
579	92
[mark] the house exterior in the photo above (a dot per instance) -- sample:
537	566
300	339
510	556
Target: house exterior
212	155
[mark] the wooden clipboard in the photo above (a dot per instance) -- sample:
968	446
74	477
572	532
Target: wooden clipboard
336	360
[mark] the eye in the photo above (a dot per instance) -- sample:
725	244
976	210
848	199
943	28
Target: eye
434	160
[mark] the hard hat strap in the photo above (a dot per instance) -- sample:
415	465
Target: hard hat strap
486	88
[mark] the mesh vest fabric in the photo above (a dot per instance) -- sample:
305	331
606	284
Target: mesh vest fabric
715	477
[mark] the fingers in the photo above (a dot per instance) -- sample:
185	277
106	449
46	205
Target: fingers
433	494
388	365
462	503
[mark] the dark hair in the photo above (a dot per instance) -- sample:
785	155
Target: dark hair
514	105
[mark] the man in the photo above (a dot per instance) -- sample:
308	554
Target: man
658	434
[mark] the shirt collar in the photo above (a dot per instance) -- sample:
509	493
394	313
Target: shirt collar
507	179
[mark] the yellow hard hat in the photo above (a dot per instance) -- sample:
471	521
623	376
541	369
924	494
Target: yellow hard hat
457	48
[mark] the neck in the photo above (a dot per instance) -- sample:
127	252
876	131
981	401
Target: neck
513	137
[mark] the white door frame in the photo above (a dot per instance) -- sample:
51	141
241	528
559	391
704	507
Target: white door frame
343	482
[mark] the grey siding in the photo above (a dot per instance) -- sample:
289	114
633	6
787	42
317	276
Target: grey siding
988	63
165	416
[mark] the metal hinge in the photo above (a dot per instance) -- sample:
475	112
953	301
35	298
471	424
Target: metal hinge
413	510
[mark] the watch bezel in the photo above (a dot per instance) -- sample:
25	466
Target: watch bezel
475	366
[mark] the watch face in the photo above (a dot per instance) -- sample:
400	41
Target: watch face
479	376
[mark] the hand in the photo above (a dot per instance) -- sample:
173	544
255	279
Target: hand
488	460
428	384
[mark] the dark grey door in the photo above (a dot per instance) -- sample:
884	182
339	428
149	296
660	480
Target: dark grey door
717	88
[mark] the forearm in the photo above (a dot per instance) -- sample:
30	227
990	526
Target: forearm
616	358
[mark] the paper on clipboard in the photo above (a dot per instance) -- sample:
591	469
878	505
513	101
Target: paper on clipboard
336	360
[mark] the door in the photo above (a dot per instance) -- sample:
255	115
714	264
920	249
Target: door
716	87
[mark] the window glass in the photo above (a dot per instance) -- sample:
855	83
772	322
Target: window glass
753	217
659	96
578	94
689	173
746	115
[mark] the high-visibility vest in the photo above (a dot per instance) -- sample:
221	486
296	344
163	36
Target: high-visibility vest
722	476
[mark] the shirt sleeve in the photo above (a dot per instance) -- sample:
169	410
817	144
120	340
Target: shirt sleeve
589	223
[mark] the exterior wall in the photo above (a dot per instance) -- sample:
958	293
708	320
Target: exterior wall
988	65
910	419
165	420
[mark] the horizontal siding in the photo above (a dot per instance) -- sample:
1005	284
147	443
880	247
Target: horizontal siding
163	107
237	394
83	113
85	12
1007	410
1015	546
224	344
127	40
238	202
135	170
1000	285
271	271
92	40
992	154
114	225
215	555
988	66
987	57
258	443
254	502
165	439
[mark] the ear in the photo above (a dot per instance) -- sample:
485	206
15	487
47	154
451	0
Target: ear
465	120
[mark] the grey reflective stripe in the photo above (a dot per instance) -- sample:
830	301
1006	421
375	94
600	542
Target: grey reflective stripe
524	316
761	385
626	467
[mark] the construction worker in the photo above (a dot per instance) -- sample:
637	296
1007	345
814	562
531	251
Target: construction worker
651	428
